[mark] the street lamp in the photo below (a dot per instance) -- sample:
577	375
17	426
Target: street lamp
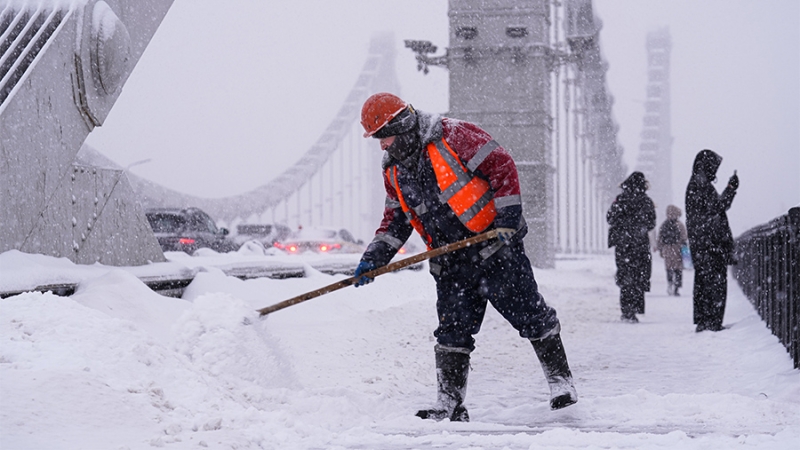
137	163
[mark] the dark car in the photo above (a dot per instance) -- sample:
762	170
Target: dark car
186	230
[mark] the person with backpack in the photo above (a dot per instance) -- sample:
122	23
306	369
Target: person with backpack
671	239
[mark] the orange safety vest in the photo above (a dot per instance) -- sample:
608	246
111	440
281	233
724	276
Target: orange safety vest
469	196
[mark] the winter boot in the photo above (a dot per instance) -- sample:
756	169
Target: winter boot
452	368
629	319
551	355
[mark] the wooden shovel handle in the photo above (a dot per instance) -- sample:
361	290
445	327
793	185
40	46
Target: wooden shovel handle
391	267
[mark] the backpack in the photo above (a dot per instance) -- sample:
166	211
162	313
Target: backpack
669	233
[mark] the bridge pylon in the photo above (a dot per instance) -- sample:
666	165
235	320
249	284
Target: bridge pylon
62	68
507	62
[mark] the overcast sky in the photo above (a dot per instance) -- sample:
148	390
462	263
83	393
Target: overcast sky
238	93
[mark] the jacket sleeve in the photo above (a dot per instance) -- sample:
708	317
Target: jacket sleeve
392	233
488	159
499	167
651	214
726	198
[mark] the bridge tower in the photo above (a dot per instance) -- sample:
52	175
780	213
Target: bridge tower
512	73
655	149
498	61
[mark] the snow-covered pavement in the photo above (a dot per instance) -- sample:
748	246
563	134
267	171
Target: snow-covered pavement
117	366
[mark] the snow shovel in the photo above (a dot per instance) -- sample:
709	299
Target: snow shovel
391	267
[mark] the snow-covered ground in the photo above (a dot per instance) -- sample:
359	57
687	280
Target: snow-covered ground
117	366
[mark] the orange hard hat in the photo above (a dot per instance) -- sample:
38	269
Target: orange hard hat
379	110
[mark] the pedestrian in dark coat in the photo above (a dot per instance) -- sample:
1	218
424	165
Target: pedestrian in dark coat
710	239
630	218
671	238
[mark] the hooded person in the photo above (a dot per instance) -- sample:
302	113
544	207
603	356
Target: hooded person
449	180
631	216
671	238
710	239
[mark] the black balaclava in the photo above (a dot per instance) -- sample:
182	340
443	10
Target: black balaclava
406	143
405	147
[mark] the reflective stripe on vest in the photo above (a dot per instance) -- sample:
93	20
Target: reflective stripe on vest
412	215
469	196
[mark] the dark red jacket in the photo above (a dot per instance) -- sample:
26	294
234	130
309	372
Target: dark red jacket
491	162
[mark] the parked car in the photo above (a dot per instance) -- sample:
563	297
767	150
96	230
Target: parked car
267	234
186	230
321	240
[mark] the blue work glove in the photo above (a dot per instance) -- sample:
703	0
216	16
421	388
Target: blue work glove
363	267
505	234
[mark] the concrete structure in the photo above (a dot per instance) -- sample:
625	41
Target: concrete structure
506	64
62	67
655	150
500	79
499	60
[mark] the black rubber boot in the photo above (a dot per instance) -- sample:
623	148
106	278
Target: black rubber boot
452	368
551	355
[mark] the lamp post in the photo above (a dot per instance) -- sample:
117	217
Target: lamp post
137	163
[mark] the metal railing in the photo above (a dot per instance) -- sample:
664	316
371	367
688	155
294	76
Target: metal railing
768	270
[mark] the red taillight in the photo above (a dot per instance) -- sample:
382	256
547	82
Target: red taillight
402	250
278	245
186	241
292	248
324	248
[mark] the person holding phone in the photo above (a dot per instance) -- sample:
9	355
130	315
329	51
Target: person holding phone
710	239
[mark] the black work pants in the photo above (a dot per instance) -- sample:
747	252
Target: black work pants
710	290
467	282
